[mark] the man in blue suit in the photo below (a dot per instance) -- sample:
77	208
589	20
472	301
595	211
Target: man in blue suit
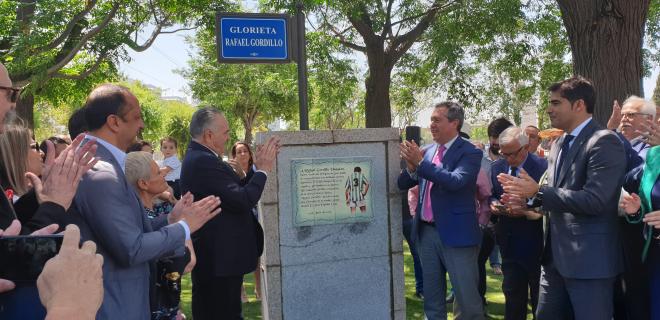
519	233
109	212
446	229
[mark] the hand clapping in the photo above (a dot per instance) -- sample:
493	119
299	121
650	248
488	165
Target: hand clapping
62	175
267	154
412	154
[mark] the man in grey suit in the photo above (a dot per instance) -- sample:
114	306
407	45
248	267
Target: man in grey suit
111	214
585	170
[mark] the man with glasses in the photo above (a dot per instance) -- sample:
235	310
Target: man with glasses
634	113
518	234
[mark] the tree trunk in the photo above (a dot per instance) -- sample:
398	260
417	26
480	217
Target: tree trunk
606	45
25	109
377	101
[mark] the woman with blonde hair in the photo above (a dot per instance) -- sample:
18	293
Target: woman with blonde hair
19	154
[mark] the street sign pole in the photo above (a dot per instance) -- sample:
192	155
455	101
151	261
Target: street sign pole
302	67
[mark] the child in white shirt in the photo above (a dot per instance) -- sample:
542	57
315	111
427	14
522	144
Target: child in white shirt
171	166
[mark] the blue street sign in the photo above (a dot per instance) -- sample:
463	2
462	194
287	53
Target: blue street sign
253	38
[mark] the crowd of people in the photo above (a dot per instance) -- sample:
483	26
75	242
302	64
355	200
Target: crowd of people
577	222
576	219
143	224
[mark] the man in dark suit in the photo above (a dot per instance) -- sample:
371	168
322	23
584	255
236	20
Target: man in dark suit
519	233
585	170
228	246
445	228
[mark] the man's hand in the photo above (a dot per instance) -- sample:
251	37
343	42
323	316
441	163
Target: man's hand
412	154
615	117
168	196
631	204
71	284
522	186
61	176
14	229
653	219
496	208
200	212
237	168
267	154
651	132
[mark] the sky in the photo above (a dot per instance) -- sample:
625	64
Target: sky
156	66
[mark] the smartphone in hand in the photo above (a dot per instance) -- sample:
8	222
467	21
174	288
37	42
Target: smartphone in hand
23	257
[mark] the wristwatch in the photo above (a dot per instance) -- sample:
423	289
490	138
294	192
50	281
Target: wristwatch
536	201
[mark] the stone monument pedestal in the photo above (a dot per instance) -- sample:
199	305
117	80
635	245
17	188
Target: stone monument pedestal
331	213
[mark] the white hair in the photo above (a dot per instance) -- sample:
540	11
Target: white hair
513	133
138	166
647	106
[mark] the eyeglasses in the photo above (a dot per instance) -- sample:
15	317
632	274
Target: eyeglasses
630	115
506	155
12	93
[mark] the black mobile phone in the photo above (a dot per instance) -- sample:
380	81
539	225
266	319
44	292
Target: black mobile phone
22	258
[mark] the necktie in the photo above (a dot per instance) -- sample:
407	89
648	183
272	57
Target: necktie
427	210
564	152
514	171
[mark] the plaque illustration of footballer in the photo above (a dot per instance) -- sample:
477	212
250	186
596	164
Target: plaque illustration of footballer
357	187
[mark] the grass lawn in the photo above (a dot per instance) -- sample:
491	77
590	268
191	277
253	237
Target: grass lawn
414	309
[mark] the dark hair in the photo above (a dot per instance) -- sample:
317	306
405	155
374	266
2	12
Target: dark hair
238	143
169	139
55	140
576	88
454	112
357	169
77	123
464	135
497	126
138	146
105	100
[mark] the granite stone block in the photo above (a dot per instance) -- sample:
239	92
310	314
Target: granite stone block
269	216
344	289
398	282
396	231
400	314
394	165
269	195
272	299
318	243
288	138
365	135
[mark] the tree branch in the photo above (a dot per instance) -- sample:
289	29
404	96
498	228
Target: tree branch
139	48
177	30
363	25
85	73
340	35
67	31
401	44
72	53
387	28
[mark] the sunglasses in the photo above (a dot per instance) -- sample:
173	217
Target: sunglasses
12	93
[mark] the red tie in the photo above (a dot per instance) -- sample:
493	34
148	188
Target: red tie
427	214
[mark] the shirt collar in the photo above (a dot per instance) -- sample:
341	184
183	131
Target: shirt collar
579	128
118	154
522	164
450	142
207	148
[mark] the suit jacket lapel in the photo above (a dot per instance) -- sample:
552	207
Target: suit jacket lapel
583	137
552	161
